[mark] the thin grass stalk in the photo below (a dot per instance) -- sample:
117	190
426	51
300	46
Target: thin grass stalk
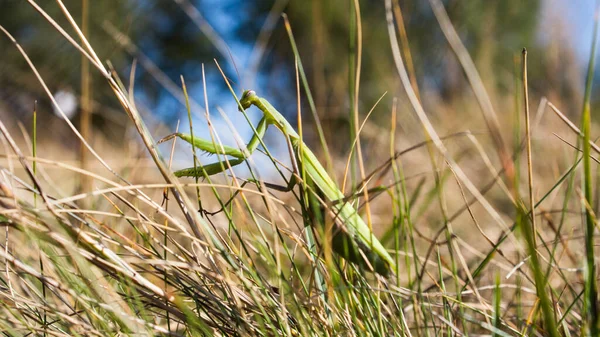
35	204
517	176
591	287
528	146
86	104
356	88
406	47
446	305
528	223
165	233
396	192
497	321
353	75
309	97
195	157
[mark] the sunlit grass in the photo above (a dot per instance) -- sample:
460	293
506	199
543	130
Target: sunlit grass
222	255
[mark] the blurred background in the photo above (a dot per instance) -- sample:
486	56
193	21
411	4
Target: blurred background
173	38
152	44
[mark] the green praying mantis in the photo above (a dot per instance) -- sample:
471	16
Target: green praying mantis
351	238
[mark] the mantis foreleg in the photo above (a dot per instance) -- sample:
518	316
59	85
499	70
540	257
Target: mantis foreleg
210	147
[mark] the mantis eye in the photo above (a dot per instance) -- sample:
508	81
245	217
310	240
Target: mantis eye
246	101
248	94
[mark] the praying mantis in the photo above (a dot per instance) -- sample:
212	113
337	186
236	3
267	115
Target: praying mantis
351	237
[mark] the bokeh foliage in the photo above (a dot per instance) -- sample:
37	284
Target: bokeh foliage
493	31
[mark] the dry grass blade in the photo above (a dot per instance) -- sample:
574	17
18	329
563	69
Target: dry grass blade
572	126
252	252
427	124
481	94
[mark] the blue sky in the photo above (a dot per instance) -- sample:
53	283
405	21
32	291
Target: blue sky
573	20
567	22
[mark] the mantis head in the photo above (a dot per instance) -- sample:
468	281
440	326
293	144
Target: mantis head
247	98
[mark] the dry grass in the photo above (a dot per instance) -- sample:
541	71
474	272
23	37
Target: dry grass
123	259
